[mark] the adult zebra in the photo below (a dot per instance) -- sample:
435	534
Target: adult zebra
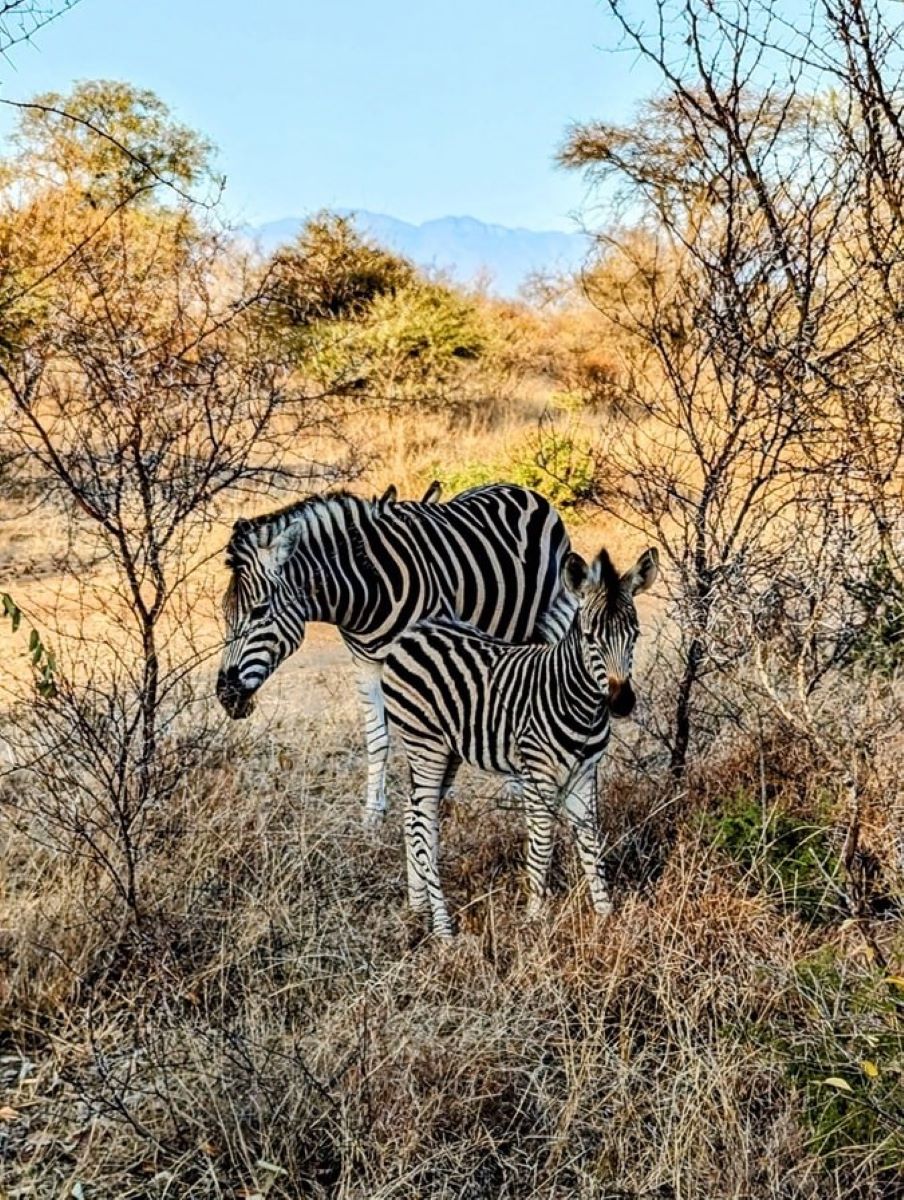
490	556
539	712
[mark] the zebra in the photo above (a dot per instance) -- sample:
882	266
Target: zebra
490	556
539	712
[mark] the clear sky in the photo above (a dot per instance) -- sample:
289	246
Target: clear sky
416	108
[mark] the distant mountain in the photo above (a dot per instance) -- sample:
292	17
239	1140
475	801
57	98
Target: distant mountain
463	247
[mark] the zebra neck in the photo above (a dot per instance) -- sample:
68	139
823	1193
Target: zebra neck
337	570
576	668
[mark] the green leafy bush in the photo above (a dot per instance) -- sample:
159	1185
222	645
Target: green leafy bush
792	859
561	466
847	1059
878	643
413	343
358	318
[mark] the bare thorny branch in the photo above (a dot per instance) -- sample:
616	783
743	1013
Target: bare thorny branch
763	266
20	20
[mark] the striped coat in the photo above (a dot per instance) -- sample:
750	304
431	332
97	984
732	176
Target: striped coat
490	556
539	712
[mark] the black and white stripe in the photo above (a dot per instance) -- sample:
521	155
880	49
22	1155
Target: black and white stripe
490	556
538	712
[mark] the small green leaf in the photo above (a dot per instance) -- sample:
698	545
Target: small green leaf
34	641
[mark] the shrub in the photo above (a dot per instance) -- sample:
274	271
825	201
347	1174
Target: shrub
356	316
878	643
331	273
561	466
792	859
413	343
848	1060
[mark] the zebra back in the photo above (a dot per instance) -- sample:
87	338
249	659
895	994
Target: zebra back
491	556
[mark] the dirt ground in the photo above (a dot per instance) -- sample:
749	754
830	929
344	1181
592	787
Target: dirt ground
318	676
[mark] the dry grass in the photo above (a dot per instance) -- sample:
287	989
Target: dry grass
280	1027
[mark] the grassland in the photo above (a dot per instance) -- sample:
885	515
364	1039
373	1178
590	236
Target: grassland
280	1027
277	1024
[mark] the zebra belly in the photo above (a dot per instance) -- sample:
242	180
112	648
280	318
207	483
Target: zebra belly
479	744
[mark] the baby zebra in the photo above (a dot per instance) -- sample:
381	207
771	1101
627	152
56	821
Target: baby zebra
538	712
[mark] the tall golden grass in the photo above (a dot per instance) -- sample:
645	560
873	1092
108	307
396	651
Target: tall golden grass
280	1026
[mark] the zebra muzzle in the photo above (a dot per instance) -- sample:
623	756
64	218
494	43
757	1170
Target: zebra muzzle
236	700
621	698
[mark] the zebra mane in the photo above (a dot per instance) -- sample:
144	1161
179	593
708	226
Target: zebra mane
609	576
278	520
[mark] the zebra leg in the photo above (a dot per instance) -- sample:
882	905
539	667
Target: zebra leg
449	776
540	809
581	808
376	737
418	900
422	842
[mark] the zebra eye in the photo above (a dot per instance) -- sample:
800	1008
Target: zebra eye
259	612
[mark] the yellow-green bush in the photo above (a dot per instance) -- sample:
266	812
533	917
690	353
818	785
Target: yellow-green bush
560	465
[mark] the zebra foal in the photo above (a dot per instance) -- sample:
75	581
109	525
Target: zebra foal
538	712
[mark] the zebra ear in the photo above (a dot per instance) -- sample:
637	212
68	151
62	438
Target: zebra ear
285	543
575	573
644	572
433	493
241	533
389	496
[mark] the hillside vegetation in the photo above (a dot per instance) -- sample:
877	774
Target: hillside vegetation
209	982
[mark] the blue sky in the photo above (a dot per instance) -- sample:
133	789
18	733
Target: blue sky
410	107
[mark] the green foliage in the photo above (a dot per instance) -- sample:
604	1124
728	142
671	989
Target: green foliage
424	325
64	137
360	318
847	1059
878	644
331	273
413	343
792	859
42	660
561	466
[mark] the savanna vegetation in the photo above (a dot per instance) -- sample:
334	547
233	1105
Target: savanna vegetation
209	985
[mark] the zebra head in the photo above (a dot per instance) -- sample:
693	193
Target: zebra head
265	613
608	619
